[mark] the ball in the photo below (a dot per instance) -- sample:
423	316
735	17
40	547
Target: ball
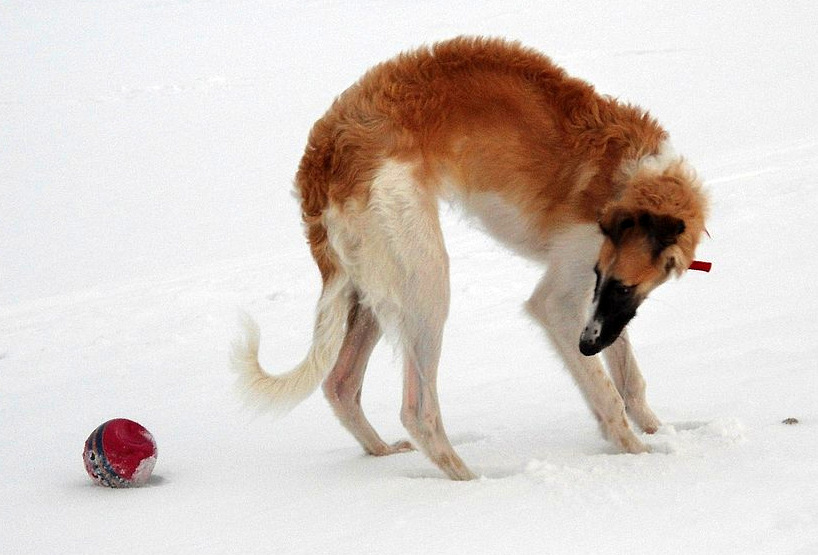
120	454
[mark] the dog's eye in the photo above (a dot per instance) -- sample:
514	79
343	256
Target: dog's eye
623	290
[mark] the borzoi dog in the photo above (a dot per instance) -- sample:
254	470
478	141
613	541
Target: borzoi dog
585	184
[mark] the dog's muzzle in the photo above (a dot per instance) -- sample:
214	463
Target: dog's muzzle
589	343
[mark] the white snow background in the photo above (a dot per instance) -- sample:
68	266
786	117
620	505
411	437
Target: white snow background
147	151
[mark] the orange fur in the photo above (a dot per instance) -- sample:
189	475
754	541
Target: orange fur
488	115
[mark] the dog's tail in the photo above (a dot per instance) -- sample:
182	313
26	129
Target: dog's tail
281	393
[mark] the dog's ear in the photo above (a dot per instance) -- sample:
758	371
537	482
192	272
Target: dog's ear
661	230
615	224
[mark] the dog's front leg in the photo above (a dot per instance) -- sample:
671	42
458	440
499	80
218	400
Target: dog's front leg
559	303
630	383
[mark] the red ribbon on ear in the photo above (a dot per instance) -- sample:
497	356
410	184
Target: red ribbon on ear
701	266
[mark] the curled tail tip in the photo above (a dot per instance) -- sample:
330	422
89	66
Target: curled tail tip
260	391
244	351
245	364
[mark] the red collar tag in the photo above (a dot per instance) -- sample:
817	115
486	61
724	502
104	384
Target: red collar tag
701	266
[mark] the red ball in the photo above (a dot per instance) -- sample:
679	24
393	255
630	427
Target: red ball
119	454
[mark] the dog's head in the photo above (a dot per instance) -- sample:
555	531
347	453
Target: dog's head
650	233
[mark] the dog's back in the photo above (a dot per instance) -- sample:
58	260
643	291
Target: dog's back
475	116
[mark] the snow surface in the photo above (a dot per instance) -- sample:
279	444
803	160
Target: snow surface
147	150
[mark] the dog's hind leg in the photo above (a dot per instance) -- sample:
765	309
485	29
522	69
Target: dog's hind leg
420	413
343	385
560	303
402	273
630	383
426	304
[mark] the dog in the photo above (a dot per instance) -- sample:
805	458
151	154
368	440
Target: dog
586	185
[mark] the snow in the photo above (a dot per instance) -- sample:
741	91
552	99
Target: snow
147	150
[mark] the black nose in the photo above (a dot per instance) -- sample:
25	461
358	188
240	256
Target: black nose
589	347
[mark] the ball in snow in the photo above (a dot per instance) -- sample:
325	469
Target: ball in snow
120	454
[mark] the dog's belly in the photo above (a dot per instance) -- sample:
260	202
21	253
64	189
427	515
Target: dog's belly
506	223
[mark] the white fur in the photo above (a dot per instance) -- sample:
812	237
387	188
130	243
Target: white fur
393	263
505	222
562	298
392	256
392	248
653	163
280	393
560	303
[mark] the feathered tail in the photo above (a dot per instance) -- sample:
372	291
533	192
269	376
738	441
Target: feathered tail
283	392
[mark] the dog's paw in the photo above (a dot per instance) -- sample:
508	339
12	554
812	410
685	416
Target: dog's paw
627	442
402	446
647	422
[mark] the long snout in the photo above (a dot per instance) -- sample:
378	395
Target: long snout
614	305
603	328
